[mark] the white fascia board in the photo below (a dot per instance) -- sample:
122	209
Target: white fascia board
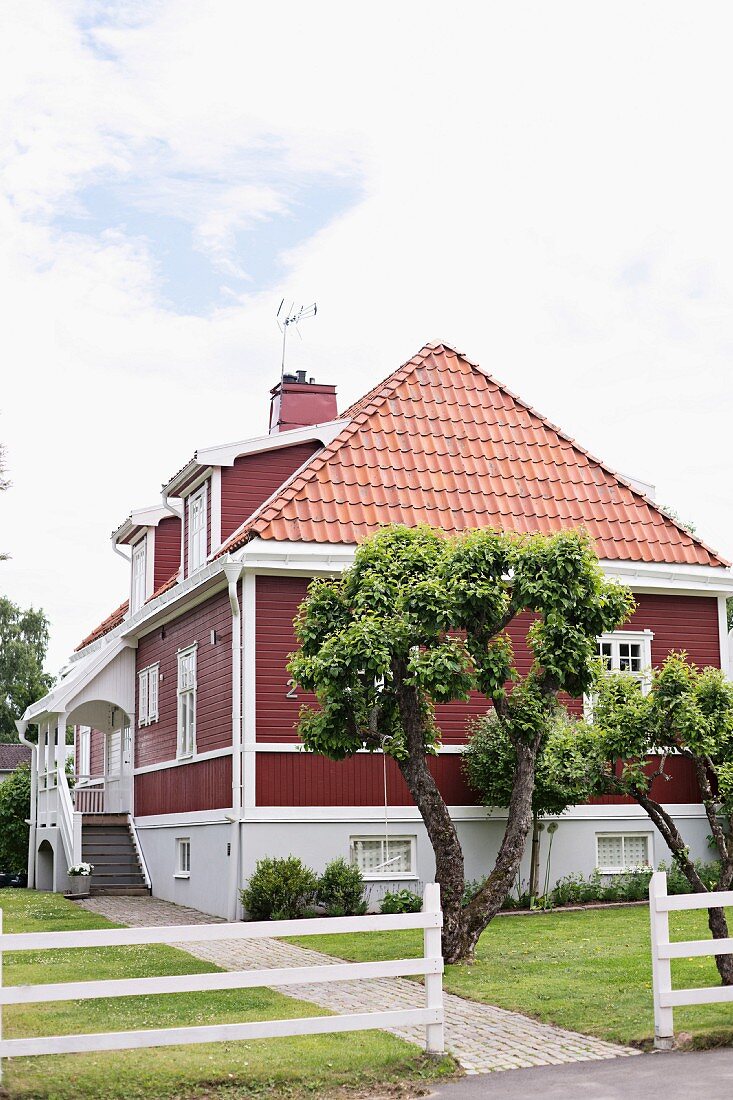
307	558
659	577
140	517
225	454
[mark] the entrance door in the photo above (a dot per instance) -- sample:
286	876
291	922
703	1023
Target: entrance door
118	770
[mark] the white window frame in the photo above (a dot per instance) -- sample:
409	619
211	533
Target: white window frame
198	540
642	638
186	750
383	872
605	869
148	694
139	581
183	857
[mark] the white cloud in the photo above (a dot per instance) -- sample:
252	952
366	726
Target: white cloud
545	185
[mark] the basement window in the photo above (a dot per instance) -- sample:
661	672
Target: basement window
183	857
380	857
619	852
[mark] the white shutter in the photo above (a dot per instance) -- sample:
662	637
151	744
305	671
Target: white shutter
142	705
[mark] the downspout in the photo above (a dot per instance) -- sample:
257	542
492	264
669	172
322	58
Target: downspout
21	725
233	570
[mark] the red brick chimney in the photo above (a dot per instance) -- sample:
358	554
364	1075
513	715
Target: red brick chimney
296	402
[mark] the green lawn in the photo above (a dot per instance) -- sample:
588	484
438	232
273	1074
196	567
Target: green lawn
589	971
302	1066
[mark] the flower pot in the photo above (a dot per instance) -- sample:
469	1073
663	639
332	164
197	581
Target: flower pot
79	885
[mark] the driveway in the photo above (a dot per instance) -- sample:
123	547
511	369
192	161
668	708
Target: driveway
673	1076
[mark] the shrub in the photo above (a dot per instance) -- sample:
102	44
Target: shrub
280	889
678	884
341	890
15	799
401	901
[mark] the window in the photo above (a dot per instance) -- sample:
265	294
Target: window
384	857
618	852
187	702
627	651
139	575
147	700
183	857
197	529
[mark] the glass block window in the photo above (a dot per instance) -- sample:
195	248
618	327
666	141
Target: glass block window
384	857
622	851
187	702
197	529
183	857
139	575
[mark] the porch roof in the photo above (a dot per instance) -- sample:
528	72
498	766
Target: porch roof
63	698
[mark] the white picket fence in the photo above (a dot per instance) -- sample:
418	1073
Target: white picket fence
430	965
667	999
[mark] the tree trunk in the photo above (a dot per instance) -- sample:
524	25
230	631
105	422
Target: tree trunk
716	917
488	901
449	866
534	862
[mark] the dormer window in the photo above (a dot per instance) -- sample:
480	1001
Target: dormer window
197	529
139	575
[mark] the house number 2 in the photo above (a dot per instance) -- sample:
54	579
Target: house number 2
291	693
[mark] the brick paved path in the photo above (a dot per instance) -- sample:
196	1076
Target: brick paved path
482	1038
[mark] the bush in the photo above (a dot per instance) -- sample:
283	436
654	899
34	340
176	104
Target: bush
401	901
280	889
15	800
678	884
341	890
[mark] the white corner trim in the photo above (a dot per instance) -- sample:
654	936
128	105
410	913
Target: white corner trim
249	703
724	637
215	507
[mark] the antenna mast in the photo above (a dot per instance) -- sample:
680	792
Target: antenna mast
290	317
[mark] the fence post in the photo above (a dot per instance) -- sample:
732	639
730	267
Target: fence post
661	968
434	1033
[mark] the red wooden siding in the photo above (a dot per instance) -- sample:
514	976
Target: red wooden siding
254	478
167	550
681	786
158	741
205	785
277	600
96	753
304	779
679	622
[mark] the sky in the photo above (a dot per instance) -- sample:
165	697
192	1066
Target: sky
546	187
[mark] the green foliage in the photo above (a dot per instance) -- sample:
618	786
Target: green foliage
678	884
280	889
426	612
567	766
400	901
23	644
341	890
15	801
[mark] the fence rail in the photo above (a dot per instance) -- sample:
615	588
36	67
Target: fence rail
430	920
667	999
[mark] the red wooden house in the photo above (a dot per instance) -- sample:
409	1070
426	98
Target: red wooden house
189	767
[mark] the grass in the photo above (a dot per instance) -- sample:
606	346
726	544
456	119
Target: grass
301	1066
589	971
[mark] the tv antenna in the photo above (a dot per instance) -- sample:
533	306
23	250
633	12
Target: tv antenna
291	316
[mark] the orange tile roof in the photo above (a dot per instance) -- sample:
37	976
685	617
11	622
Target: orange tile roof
105	626
442	442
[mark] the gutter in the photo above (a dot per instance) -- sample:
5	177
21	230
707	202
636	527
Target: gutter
21	725
233	571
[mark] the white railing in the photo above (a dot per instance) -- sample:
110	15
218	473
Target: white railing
89	796
667	999
430	965
69	828
139	852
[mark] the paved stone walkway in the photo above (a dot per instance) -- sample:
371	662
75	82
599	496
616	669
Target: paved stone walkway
482	1038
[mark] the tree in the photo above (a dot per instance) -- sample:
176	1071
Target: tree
688	712
421	619
15	801
23	644
566	773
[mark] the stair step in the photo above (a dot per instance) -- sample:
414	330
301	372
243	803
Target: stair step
131	891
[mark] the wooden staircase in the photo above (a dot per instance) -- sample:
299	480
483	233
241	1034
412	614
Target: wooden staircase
106	842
